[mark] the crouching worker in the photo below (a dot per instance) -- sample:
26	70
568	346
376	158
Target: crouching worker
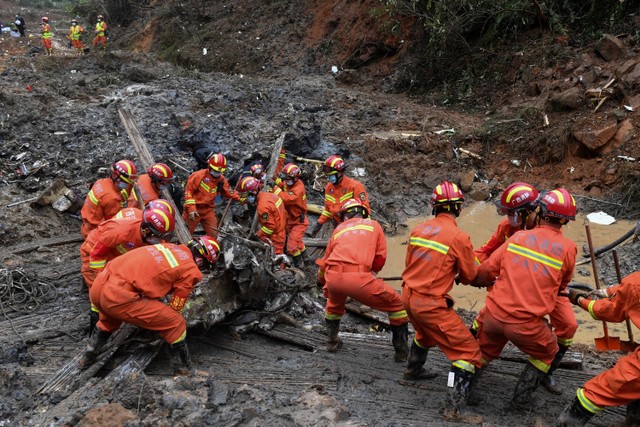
357	249
619	385
131	286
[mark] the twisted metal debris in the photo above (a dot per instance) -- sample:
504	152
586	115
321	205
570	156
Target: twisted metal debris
23	293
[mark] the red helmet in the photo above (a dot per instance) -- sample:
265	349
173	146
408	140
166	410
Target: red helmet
291	171
218	163
446	193
249	185
334	164
257	170
159	222
558	203
45	19
353	206
162	205
161	174
124	170
204	248
518	195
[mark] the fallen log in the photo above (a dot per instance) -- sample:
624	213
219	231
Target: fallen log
53	241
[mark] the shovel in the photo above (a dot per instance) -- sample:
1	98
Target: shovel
627	346
605	343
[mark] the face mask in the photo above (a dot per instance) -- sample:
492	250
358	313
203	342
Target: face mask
251	198
514	220
333	178
153	240
215	174
289	182
162	187
122	185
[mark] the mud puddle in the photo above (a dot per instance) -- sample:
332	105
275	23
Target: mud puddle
480	220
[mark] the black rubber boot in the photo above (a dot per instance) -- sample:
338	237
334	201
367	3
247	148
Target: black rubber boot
97	340
333	341
399	337
180	358
94	316
298	261
415	364
459	391
548	381
574	415
527	383
475	398
633	414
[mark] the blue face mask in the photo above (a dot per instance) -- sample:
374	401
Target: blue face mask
122	185
289	182
215	174
153	240
251	198
333	178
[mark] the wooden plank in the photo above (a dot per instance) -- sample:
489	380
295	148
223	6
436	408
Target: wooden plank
31	246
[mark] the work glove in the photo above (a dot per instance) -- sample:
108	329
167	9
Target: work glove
193	215
575	294
312	231
599	294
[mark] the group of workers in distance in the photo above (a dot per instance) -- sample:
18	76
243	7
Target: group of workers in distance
75	35
129	264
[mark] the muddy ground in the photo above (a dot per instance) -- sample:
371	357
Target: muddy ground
59	119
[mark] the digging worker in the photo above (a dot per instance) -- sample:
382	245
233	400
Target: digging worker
438	254
531	267
131	286
118	236
45	29
203	187
100	32
357	251
108	196
20	25
150	184
294	196
619	385
338	190
519	203
75	36
271	213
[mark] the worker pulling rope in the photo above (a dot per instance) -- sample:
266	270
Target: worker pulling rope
23	293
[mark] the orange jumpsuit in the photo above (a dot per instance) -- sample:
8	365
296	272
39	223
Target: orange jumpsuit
273	219
112	238
336	194
621	384
103	202
147	190
532	267
130	287
200	195
356	250
46	37
295	203
563	319
438	250
101	36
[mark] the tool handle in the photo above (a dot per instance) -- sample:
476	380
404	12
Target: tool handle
616	263
605	328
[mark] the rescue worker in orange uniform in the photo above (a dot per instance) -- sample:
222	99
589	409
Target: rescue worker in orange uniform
294	196
149	184
438	254
518	202
108	196
101	32
154	204
200	195
271	213
357	251
75	36
131	286
118	236
619	385
258	172
339	189
45	29
532	266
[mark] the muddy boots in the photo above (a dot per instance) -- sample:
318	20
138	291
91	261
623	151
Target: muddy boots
298	261
415	364
94	316
180	358
399	337
97	340
633	414
333	341
460	383
475	398
548	381
528	382
574	415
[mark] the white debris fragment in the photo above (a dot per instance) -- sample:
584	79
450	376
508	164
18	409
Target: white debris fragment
627	158
449	131
164	125
628	107
516	162
334	69
359	172
601	218
204	51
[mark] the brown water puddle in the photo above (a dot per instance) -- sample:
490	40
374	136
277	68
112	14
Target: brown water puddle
480	221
